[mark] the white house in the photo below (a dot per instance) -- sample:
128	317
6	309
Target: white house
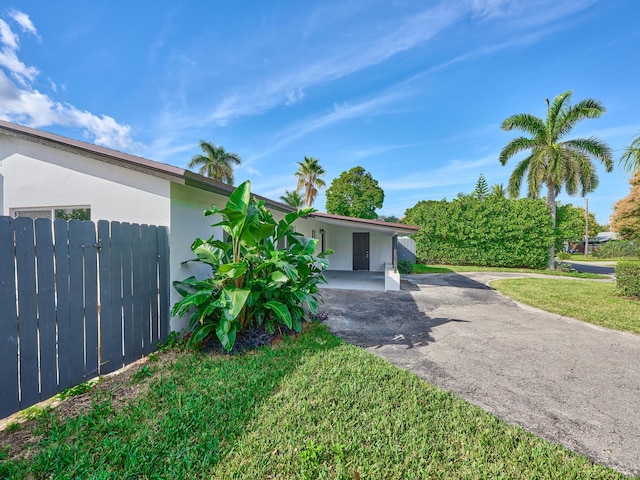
42	174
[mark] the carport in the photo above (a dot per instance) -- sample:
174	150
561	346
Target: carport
354	280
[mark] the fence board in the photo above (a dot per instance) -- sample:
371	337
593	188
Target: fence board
127	294
115	356
152	273
138	296
147	286
63	319
163	281
104	285
76	301
46	308
9	393
90	299
27	315
75	304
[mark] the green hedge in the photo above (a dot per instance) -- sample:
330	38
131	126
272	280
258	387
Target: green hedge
618	249
628	277
487	232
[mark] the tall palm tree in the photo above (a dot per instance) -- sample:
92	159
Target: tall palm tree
309	177
630	159
552	161
293	199
216	162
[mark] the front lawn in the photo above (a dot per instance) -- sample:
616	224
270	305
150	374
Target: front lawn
579	257
593	302
418	268
311	407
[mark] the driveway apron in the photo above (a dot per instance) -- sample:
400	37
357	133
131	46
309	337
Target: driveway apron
565	380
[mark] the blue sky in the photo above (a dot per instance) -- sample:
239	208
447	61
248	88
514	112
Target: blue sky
413	91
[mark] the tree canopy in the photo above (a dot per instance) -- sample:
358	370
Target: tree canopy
216	162
626	212
309	176
482	188
355	193
552	161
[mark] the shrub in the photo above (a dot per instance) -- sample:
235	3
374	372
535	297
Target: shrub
492	232
252	281
564	256
628	277
405	266
618	249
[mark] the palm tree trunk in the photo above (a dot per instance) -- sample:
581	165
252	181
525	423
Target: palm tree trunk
551	203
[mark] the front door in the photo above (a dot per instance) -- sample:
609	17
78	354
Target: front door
361	251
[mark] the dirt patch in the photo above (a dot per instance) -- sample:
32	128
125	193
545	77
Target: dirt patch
17	432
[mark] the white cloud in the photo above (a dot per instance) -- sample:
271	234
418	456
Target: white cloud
7	37
24	21
24	104
371	48
252	171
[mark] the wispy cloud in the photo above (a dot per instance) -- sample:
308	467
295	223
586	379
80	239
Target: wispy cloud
24	21
20	102
339	113
371	47
455	172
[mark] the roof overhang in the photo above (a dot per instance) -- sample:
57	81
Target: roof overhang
125	160
364	224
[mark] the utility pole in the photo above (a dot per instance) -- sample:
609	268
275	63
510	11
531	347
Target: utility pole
586	228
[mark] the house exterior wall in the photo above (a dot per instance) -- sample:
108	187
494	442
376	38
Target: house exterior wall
340	239
34	175
187	223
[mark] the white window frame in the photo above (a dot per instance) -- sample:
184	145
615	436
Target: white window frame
15	212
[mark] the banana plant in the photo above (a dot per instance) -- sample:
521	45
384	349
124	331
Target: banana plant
252	279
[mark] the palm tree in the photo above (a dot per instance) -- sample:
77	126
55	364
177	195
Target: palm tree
630	159
216	162
497	190
309	176
552	161
293	199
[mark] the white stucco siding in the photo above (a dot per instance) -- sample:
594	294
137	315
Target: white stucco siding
340	240
33	176
188	223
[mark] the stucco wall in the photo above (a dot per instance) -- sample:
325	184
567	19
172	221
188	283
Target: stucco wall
33	176
340	239
187	223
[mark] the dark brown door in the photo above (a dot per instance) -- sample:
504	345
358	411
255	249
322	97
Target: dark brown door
361	251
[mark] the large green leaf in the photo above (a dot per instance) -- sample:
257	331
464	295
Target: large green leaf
281	311
227	338
209	254
236	299
279	278
232	270
239	199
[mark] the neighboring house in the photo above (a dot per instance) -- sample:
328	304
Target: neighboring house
42	174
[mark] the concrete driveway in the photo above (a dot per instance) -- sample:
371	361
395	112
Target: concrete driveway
562	379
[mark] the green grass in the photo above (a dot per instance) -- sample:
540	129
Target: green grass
593	302
579	257
312	407
417	268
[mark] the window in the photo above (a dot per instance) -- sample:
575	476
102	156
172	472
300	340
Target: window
66	213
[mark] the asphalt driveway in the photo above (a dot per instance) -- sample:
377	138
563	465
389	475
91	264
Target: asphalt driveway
562	379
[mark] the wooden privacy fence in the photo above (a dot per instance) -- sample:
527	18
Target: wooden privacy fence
74	306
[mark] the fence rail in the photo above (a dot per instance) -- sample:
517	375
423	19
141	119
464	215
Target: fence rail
77	300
